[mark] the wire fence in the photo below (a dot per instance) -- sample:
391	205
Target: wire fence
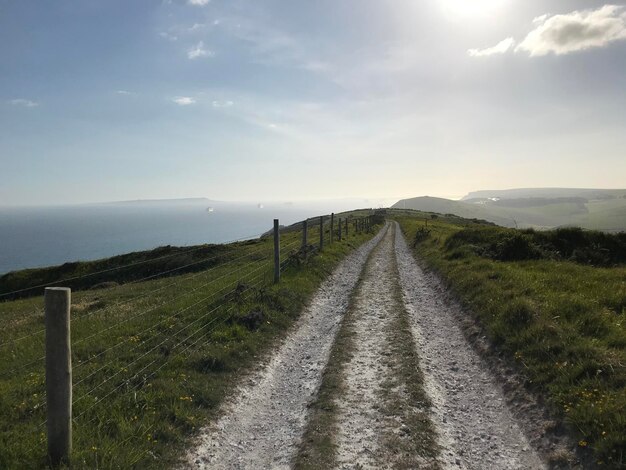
126	333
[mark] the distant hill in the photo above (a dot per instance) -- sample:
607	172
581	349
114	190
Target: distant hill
547	193
541	208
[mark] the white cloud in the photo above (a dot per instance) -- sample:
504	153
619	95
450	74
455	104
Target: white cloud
196	27
198	51
168	36
184	100
575	31
199	3
23	102
124	92
222	104
499	48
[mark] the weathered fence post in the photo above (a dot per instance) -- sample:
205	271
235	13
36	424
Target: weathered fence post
339	229
332	226
305	226
57	302
346	227
276	252
321	232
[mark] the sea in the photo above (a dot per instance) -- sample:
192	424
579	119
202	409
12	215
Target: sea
32	237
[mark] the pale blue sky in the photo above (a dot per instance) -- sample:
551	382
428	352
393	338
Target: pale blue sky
300	100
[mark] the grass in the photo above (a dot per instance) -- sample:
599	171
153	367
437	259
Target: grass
561	319
153	359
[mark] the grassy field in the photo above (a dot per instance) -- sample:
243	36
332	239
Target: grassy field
152	358
558	313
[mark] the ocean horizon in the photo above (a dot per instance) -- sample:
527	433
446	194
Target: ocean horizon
35	237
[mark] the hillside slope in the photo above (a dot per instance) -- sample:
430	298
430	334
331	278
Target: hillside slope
541	208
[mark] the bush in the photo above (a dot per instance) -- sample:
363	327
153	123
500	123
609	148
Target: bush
572	244
517	247
421	235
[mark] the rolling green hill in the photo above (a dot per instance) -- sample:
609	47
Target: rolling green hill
541	208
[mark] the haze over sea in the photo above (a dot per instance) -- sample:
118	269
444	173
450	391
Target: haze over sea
33	237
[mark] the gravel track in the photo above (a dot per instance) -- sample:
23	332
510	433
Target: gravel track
476	428
262	424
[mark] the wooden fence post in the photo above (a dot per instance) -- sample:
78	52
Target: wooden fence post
321	232
57	301
346	227
339	230
276	252
332	226
305	226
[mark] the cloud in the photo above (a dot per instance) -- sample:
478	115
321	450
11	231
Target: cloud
576	31
499	48
198	51
184	100
23	102
199	3
124	92
168	36
196	27
222	104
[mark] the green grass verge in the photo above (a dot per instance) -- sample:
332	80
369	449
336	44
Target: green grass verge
560	320
153	360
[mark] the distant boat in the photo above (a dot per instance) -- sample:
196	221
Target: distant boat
209	209
260	206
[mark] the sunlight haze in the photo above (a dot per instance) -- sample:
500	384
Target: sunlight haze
249	100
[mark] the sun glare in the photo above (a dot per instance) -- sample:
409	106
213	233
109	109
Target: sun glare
471	8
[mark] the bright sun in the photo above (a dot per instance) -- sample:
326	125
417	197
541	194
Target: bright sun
471	8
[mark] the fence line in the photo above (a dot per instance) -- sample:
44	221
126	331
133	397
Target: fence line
13	341
151	309
149	364
213	295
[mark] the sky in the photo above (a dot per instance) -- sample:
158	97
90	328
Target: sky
300	100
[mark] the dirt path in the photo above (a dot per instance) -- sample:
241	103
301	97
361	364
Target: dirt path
406	388
477	430
262	424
